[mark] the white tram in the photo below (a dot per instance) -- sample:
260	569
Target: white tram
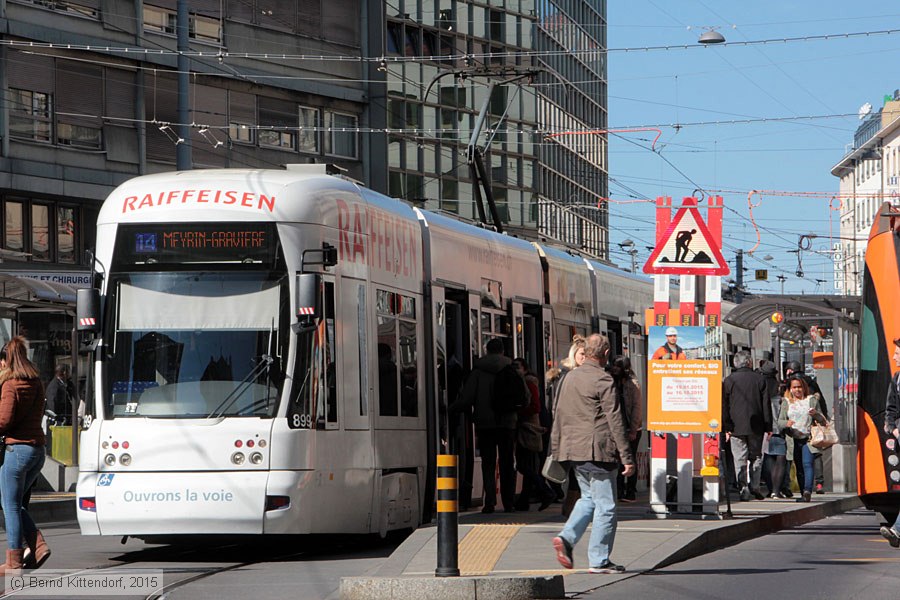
273	350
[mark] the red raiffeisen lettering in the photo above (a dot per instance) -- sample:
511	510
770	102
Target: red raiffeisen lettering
393	241
175	197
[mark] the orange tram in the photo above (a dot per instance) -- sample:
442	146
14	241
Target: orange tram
878	453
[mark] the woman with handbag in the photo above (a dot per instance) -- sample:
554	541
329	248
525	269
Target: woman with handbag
21	411
529	444
797	415
555	377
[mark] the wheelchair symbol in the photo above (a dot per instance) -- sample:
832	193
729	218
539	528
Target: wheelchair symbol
106	479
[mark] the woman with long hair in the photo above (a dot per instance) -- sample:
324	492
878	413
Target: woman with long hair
21	411
628	395
555	377
798	412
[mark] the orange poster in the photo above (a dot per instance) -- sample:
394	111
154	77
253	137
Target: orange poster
684	396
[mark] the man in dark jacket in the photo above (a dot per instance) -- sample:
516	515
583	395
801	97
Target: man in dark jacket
59	395
495	433
746	417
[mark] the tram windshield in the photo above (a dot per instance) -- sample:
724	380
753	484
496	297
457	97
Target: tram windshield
195	344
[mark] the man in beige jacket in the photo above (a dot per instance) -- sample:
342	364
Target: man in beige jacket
590	436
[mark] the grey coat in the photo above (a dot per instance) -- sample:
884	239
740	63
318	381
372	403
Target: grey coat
588	423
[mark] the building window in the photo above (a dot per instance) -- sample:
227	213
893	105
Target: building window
29	115
85	8
43	230
308	135
15	228
340	138
79	135
282	117
241	133
65	235
40	232
164	20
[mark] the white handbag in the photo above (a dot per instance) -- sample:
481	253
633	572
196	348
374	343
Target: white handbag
554	471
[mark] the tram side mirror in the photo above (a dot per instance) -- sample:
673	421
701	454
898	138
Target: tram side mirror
309	303
87	310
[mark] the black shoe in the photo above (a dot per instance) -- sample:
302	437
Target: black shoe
891	536
787	493
820	489
509	510
806	497
487	510
757	494
608	568
563	552
545	503
629	496
745	494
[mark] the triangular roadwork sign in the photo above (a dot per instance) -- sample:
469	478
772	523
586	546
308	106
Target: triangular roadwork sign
686	248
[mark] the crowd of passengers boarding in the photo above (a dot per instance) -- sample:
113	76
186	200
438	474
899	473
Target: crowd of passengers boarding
589	417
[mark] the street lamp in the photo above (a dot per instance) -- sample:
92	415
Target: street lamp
711	36
631	250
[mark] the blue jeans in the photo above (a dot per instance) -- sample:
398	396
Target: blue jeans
597	504
803	455
21	467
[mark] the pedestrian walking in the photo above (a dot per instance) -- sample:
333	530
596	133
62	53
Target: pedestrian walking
796	417
892	428
590	434
795	368
746	418
21	411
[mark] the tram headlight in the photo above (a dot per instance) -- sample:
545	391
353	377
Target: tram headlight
109	459
237	458
256	458
895	476
125	459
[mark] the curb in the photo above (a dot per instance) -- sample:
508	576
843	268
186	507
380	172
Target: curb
452	588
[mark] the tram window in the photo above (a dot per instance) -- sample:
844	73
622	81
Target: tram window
398	372
387	368
330	362
363	356
409	372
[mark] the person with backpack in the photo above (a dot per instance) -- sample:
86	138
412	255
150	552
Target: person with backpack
496	392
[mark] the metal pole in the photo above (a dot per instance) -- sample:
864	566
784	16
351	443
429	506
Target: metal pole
183	147
447	517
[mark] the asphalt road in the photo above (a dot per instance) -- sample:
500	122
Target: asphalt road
840	558
308	568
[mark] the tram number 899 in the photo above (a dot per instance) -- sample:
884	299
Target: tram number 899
300	421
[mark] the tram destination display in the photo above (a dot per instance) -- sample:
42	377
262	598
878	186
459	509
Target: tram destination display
200	243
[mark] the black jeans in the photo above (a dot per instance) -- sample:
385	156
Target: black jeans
493	444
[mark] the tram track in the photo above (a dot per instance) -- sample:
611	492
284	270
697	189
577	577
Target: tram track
199	572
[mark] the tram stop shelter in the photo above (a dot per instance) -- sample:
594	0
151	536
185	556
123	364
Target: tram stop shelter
822	333
44	313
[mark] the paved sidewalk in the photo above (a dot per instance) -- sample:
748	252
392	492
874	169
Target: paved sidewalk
518	545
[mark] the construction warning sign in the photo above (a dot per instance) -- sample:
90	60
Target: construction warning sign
686	248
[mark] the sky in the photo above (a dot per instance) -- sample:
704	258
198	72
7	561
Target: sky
702	97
